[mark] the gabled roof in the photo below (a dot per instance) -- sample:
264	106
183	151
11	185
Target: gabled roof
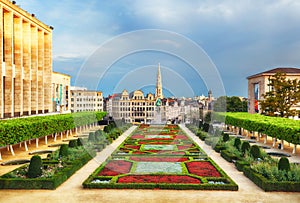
286	70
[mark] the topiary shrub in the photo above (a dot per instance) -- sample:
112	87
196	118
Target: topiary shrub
225	137
73	143
35	167
205	127
284	164
255	151
237	143
64	150
91	137
98	135
245	147
79	143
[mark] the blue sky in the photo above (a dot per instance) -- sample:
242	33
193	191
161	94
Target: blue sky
240	38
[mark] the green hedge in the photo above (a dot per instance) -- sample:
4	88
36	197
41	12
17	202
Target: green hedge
45	183
14	131
228	156
266	185
281	128
203	186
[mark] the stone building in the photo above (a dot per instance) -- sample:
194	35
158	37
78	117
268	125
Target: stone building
258	85
61	99
26	62
86	100
136	107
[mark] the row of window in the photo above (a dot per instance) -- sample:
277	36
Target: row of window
87	99
124	115
87	105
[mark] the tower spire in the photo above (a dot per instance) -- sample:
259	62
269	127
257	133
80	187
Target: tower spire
158	92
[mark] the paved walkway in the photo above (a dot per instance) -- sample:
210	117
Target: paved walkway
71	190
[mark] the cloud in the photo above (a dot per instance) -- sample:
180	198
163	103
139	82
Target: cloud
241	37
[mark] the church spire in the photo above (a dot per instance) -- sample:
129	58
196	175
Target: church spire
158	92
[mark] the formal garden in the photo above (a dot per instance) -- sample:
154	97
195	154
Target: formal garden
267	172
159	157
50	172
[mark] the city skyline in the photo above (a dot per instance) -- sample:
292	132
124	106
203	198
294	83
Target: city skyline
241	38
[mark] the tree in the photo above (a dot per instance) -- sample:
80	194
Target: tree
230	104
284	93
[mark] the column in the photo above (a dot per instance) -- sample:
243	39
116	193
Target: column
1	64
26	68
34	70
47	71
40	74
8	59
18	62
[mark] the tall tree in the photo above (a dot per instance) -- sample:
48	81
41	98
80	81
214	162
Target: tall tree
284	93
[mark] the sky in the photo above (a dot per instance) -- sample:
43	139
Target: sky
200	45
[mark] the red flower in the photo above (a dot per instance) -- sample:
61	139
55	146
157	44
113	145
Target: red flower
115	167
131	146
181	137
159	159
158	179
202	168
137	136
184	147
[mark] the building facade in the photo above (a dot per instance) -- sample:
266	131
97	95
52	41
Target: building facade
86	100
258	86
61	99
134	107
26	63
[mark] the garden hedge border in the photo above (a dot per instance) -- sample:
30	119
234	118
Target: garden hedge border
267	185
45	183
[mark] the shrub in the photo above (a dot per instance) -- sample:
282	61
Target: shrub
64	150
225	137
98	135
35	167
237	143
245	147
91	137
205	127
255	151
201	135
284	164
79	143
73	143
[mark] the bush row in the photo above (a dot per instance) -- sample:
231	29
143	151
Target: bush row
14	131
277	127
45	183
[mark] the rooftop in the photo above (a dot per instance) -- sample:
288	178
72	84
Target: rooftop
287	70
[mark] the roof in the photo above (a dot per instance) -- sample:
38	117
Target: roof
286	70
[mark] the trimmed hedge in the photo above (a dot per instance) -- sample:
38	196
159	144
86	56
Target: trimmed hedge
277	127
177	186
267	185
45	183
17	130
228	156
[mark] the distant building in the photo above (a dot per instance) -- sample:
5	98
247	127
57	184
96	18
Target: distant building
26	63
133	107
137	107
61	99
86	100
258	85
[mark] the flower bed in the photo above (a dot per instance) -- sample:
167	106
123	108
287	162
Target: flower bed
167	160
158	179
202	168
